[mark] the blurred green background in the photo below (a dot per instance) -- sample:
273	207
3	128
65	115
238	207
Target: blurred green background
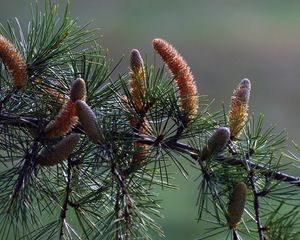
223	41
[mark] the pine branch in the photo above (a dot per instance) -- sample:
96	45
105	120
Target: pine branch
171	144
19	121
142	128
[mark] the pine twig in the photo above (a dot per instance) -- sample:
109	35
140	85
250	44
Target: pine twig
122	193
171	144
117	215
256	206
8	96
29	158
266	171
63	213
235	236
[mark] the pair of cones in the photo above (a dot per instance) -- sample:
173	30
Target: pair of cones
238	116
74	108
187	90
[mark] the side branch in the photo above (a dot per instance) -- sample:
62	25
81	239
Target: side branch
266	171
121	194
7	97
63	213
24	172
256	206
171	144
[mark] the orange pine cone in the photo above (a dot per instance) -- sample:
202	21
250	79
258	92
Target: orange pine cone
64	121
188	94
14	62
67	116
238	113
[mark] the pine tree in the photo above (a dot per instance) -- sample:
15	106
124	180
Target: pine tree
81	152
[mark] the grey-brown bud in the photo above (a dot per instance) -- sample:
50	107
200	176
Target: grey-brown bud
78	90
88	121
216	143
245	88
136	60
236	205
59	152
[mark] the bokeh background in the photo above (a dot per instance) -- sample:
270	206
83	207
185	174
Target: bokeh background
223	41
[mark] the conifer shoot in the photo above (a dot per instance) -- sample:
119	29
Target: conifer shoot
238	113
137	82
187	89
14	63
67	117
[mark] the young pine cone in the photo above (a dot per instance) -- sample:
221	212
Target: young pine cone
58	152
216	143
236	205
88	121
78	90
